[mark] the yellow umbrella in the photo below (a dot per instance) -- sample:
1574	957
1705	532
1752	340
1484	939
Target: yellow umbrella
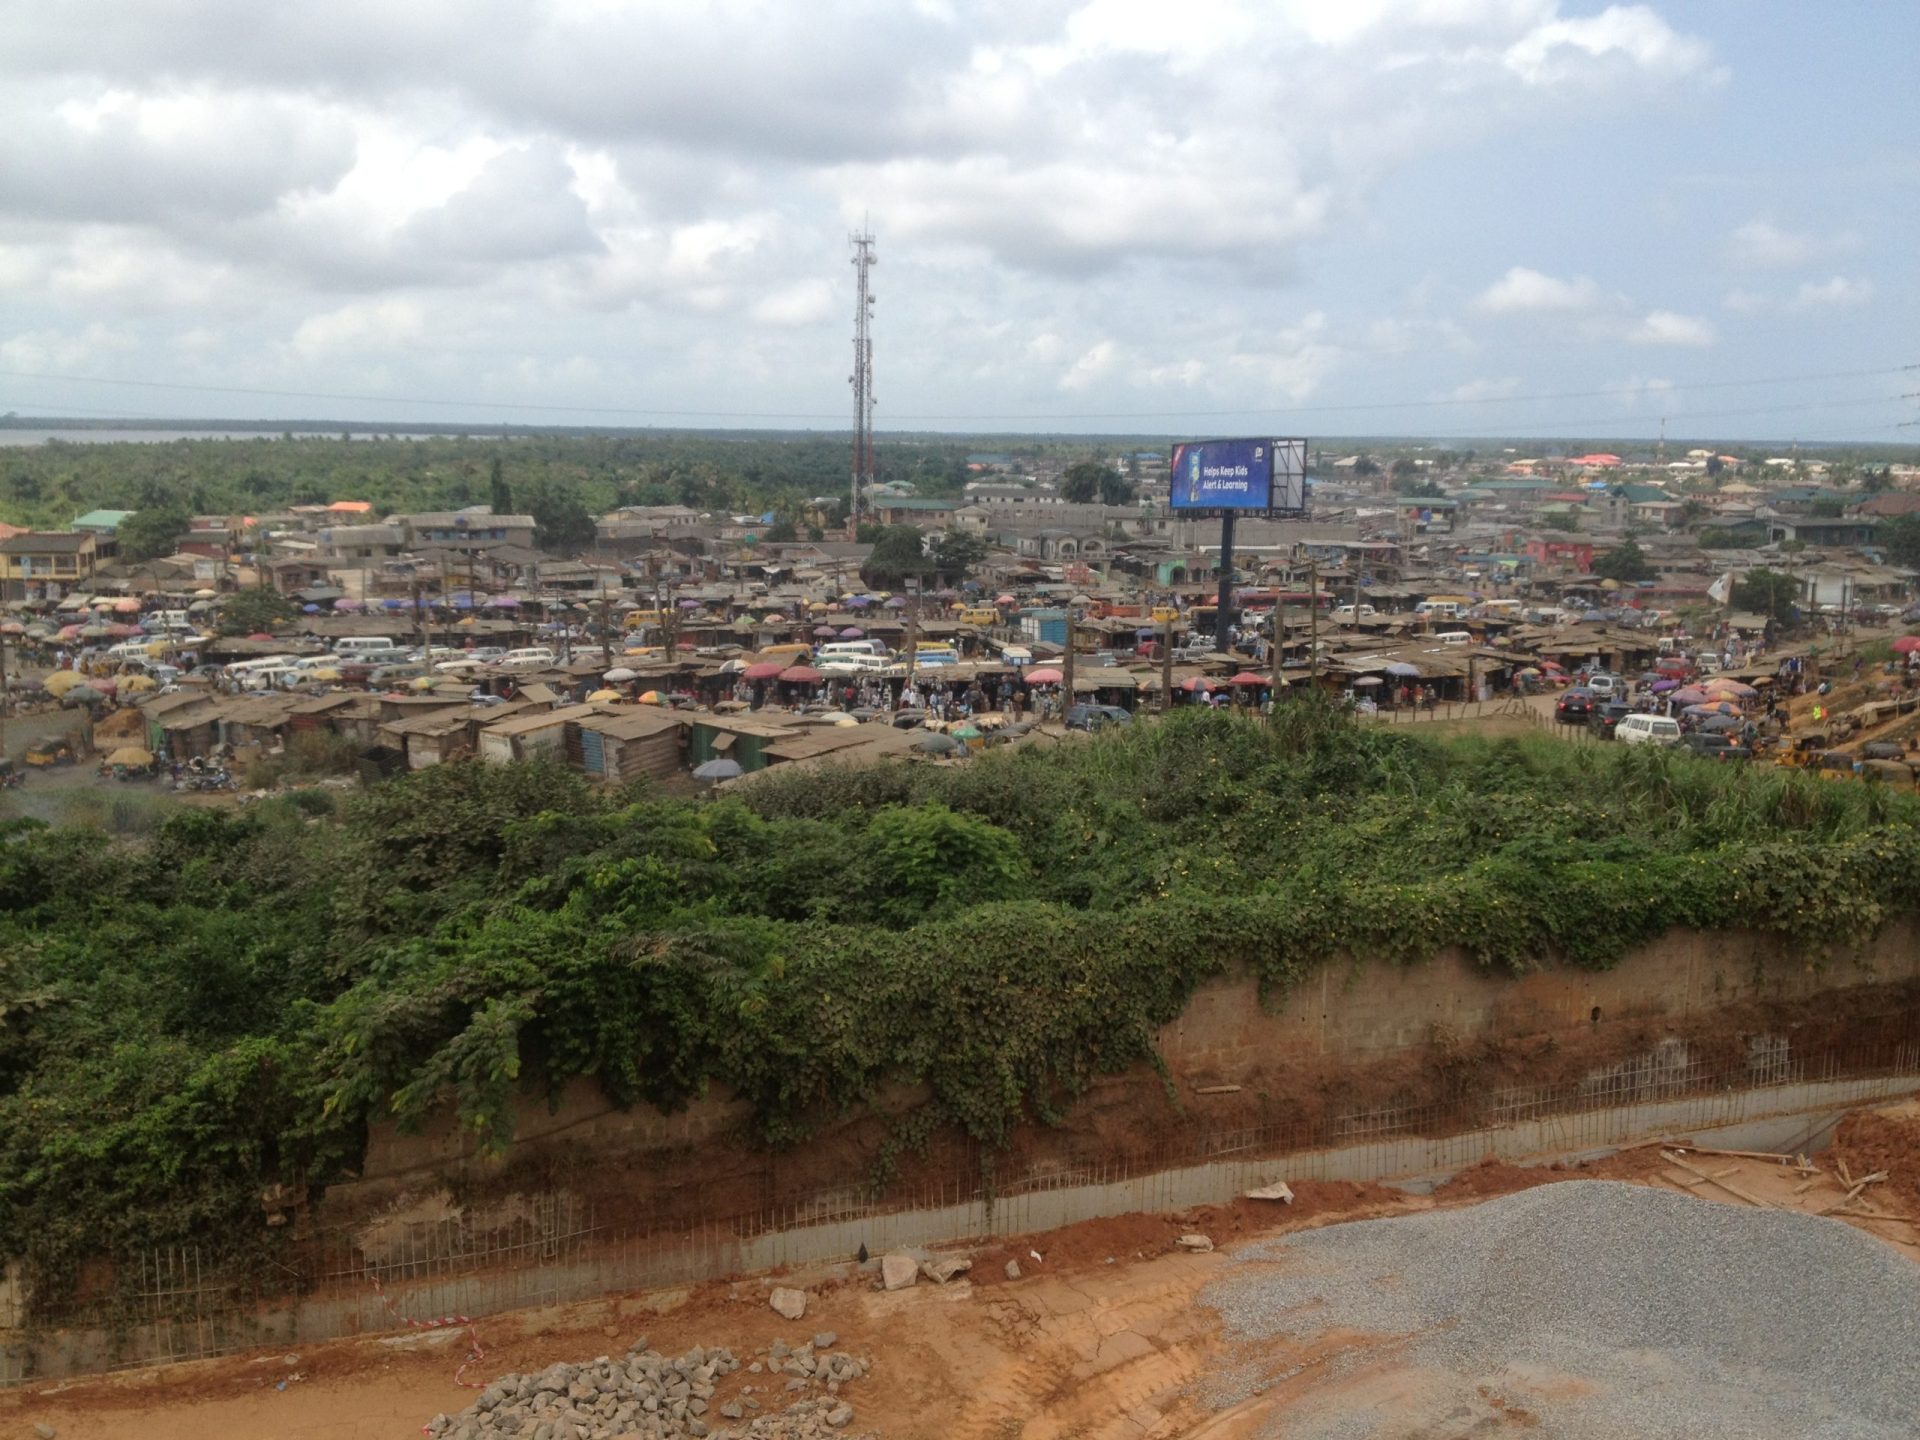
604	695
421	682
328	674
130	755
135	684
653	697
819	605
61	681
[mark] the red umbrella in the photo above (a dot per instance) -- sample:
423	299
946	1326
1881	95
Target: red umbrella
1197	684
1043	676
1248	678
1906	644
765	670
259	635
799	675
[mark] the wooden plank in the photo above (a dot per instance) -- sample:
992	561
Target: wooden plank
1731	1189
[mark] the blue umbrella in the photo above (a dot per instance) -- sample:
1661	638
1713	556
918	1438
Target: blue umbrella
1401	668
722	769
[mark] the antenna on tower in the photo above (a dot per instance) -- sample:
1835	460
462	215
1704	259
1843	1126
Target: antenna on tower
862	378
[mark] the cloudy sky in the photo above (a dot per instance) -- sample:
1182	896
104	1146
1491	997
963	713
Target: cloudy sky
1428	217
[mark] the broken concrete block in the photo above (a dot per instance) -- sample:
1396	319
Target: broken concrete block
898	1270
1198	1243
788	1303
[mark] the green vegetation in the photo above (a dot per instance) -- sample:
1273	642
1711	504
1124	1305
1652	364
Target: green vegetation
1626	562
1771	593
230	1001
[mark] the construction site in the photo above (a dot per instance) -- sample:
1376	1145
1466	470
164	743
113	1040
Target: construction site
1678	1197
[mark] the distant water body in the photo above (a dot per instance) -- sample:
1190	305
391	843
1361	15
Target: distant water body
167	437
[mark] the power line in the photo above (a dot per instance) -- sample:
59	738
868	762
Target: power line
1369	407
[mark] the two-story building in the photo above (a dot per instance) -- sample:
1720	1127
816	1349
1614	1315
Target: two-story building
48	565
468	531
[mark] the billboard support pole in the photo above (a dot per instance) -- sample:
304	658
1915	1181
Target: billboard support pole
1066	670
1166	669
1222	621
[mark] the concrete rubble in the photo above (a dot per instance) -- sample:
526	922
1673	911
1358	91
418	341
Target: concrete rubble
898	1270
645	1395
788	1303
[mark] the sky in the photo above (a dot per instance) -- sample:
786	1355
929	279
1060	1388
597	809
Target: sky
1432	218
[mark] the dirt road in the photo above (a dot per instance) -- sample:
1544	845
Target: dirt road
1099	1338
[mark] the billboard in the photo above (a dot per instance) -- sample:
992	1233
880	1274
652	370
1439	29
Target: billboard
1237	475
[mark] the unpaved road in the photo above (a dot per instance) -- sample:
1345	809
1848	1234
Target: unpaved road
1100	1339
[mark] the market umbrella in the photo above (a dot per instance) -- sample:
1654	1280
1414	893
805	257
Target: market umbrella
83	695
326	675
126	607
69	632
765	670
801	675
1004	600
259	635
95	632
1721	708
124	632
621	672
1248	680
1366	681
138	684
773	620
1043	676
818	605
825	632
106	685
347	602
653	697
934	743
1197	685
836	716
503	602
898	602
130	755
721	769
1906	644
61	681
13	627
690	604
844	721
1688	695
1721	724
859	602
310	609
396	604
1660	687
1731	687
604	695
1404	670
852	632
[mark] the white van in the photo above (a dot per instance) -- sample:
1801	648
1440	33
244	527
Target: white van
855	665
132	650
169	620
1348	614
849	647
308	664
350	647
1438	609
1647	730
1454	637
534	657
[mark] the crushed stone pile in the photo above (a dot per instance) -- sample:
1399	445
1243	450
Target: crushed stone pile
1598	1309
791	1393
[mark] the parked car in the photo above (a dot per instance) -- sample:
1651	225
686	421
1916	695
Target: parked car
1647	730
1883	750
1607	715
1604	686
1097	717
1716	747
1574	707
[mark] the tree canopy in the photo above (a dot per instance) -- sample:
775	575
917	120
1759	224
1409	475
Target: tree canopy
151	533
1626	562
898	552
1767	592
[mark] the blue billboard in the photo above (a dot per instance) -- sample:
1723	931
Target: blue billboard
1239	475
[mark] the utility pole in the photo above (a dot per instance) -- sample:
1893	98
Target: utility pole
1166	666
1066	670
419	615
912	583
1313	620
862	378
606	632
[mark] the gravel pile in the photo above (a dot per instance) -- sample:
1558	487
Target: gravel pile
792	1392
1598	1309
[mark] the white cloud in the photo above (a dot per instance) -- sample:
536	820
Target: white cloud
1094	364
804	303
56	350
1525	291
1488	389
1762	245
1562	51
1837	292
367	325
1667	327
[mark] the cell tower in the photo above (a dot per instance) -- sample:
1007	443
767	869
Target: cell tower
862	378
